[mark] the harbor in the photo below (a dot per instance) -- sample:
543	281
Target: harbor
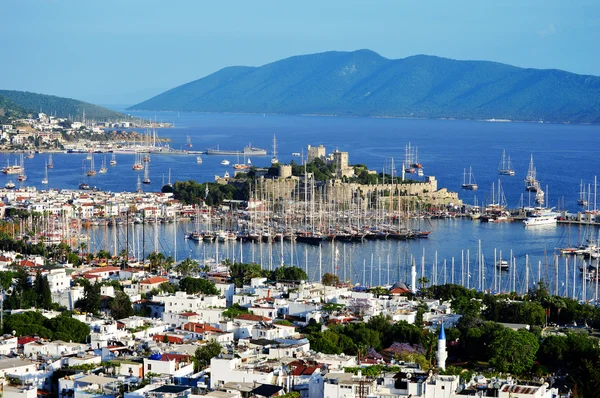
362	232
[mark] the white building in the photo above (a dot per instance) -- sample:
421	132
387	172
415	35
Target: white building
182	302
169	364
225	370
58	280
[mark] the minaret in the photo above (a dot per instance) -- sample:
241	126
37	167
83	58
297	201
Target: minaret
413	277
442	355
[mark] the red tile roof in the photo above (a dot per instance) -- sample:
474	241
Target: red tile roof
170	339
176	357
304	370
25	340
27	263
188	314
200	328
253	317
154	280
104	269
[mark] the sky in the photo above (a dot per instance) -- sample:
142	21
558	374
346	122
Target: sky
126	51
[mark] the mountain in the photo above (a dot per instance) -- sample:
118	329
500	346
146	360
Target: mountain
10	110
363	83
59	106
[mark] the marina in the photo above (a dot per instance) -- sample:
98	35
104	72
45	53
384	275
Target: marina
352	235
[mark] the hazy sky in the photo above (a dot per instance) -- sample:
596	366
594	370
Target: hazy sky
125	51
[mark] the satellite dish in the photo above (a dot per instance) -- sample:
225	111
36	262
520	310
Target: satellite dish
409	375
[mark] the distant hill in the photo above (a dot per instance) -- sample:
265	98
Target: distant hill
10	110
62	107
364	83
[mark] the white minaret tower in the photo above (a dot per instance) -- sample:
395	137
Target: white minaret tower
442	355
413	277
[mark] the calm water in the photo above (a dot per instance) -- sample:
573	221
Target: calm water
563	155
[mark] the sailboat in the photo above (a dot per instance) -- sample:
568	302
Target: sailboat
416	163
50	163
146	179
470	184
188	142
103	169
199	159
45	179
138	165
113	160
582	201
531	183
274	159
505	167
91	172
241	166
408	159
22	176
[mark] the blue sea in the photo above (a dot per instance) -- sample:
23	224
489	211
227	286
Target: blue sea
564	154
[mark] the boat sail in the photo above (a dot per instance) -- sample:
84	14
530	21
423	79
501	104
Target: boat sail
45	179
409	159
113	160
146	179
22	176
505	167
188	142
274	159
531	183
138	165
50	163
91	171
14	169
103	169
469	184
582	201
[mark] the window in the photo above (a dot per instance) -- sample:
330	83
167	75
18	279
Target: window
149	366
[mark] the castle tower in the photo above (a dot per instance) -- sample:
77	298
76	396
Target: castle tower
442	355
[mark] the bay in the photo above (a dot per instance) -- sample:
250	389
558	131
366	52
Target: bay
563	154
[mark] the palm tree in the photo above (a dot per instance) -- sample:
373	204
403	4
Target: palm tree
423	281
167	264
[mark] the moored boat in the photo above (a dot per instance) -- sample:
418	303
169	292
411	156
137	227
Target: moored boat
505	167
469	184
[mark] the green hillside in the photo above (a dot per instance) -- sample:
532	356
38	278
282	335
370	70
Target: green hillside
59	106
363	83
10	110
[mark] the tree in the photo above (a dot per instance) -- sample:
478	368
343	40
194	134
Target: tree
513	351
187	267
289	274
45	294
120	307
204	354
198	285
241	274
91	298
166	265
330	279
234	311
156	259
62	327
